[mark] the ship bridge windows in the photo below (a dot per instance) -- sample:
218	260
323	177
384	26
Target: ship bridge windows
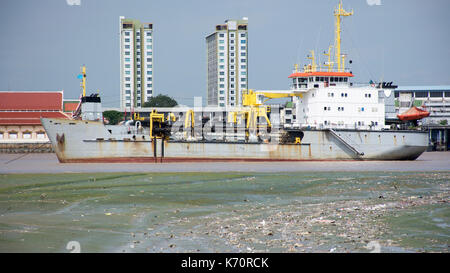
436	94
421	94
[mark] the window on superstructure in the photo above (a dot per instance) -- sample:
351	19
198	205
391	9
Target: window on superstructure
437	94
331	79
421	94
345	79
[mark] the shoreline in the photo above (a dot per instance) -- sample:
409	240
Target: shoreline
48	163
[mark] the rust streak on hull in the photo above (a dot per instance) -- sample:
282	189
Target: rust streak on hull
184	159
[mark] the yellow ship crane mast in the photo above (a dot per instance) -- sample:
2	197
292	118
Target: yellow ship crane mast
339	58
338	13
253	106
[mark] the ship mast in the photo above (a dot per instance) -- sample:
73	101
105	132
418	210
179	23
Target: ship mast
338	13
83	82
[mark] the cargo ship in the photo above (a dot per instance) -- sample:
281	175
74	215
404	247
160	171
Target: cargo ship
333	120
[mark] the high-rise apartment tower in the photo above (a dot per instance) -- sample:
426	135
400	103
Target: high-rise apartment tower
227	57
136	63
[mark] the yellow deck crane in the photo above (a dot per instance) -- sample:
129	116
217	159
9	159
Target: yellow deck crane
189	122
157	121
253	107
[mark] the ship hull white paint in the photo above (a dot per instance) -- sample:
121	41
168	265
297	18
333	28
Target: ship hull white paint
90	141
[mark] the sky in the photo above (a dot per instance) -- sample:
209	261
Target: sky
44	43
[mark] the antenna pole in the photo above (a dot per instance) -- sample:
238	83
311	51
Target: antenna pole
338	13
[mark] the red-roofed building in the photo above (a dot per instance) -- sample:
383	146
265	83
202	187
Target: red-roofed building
20	114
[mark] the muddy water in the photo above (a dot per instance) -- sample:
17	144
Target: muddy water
226	212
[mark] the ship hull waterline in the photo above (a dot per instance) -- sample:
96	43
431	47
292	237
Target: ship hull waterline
87	141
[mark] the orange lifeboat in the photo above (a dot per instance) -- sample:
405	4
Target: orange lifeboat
413	113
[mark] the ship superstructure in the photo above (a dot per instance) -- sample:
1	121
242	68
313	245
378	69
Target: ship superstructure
329	98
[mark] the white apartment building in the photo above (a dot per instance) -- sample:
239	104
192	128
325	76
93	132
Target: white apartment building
227	57
136	63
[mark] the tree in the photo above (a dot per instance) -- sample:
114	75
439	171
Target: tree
161	101
113	116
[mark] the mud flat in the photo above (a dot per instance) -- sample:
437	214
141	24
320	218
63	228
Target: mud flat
48	163
304	211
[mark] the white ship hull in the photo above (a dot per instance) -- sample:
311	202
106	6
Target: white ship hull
90	141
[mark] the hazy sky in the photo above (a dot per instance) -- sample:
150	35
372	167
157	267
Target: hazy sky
44	43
